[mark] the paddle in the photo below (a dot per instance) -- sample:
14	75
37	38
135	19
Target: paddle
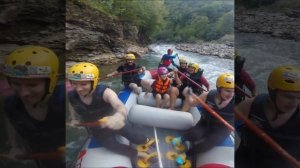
242	91
92	124
182	74
56	155
120	73
211	111
260	133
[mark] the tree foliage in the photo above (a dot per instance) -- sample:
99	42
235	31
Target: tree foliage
173	20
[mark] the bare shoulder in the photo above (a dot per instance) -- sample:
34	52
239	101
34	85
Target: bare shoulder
109	95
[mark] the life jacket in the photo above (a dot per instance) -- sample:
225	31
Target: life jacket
195	77
225	112
96	110
131	77
40	136
166	62
161	86
238	66
287	135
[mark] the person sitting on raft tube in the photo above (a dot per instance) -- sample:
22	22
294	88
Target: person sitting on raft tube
94	102
131	79
194	73
168	59
209	131
160	88
277	113
35	113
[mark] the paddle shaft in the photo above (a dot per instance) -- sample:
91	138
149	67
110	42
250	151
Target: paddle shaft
56	155
260	133
121	73
242	91
191	81
211	111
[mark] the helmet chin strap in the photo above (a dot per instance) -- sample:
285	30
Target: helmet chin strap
91	90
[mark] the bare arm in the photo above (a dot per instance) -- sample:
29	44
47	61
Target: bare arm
111	97
117	120
112	74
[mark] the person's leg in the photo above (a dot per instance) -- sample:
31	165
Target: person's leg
158	100
173	96
189	101
146	84
209	140
134	87
108	139
165	101
132	134
195	133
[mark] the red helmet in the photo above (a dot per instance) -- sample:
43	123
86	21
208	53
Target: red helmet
170	51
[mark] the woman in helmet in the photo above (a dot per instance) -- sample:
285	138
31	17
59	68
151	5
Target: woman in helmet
278	114
209	131
168	59
93	102
36	111
196	74
132	79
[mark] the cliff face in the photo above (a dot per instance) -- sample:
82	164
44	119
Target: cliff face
32	22
98	37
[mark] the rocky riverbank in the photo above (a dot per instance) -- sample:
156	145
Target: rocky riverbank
285	25
214	49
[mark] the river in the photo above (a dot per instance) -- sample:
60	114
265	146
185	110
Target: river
263	53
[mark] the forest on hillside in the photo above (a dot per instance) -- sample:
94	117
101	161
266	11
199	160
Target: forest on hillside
173	21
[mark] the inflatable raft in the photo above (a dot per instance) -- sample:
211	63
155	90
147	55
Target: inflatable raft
158	124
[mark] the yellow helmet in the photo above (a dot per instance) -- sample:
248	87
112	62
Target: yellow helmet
194	65
32	62
129	57
225	80
182	60
286	78
84	71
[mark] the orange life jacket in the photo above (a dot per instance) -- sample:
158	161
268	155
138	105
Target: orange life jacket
161	86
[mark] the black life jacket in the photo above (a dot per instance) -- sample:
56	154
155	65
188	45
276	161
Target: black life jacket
287	135
40	136
96	110
131	77
226	112
195	77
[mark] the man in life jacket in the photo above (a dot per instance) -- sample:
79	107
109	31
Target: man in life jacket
35	113
93	102
210	131
194	73
131	71
168	59
242	78
161	87
277	113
